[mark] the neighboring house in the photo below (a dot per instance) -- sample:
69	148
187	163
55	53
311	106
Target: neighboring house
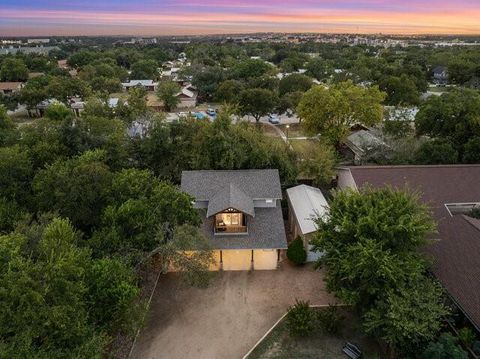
450	191
440	75
305	205
241	216
361	144
188	97
404	114
148	85
7	88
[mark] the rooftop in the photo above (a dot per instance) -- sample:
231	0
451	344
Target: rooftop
308	203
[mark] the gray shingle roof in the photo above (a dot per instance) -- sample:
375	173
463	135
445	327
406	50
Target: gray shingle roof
265	231
256	184
230	197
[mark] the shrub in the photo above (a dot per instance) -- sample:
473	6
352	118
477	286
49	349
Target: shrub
296	251
330	319
301	319
466	336
444	348
475	213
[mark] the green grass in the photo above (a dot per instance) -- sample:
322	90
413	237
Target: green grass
280	345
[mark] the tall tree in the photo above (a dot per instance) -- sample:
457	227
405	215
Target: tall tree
257	102
167	93
331	112
13	69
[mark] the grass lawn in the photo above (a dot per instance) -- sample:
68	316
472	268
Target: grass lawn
301	146
280	345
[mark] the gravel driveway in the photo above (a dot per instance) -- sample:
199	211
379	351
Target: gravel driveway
226	319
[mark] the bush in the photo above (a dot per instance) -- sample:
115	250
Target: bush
444	348
475	213
296	251
330	319
301	319
466	336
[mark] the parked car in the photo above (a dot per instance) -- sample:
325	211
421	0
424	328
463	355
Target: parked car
273	119
211	112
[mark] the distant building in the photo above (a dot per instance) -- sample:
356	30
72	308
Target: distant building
440	75
38	41
148	85
7	88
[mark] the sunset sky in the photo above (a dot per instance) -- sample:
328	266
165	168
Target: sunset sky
181	17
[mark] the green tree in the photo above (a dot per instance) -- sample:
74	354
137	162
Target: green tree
296	252
167	93
452	116
43	290
471	152
8	130
257	102
445	347
408	317
436	152
400	90
319	162
10	214
144	70
80	188
13	69
250	68
58	112
293	83
363	258
228	91
301	319
15	174
333	111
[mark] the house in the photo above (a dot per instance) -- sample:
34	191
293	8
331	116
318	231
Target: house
188	97
450	191
360	144
305	205
148	85
7	88
440	75
241	216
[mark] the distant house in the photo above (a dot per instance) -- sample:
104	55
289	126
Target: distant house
188	97
305	205
440	75
241	216
450	191
7	88
360	144
148	85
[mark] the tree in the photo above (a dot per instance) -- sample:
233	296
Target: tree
363	258
301	319
333	111
296	252
400	90
228	91
257	102
58	112
452	116
10	214
293	83
13	69
408	317
144	70
250	68
43	291
319	69
436	152
319	162
8	130
445	347
81	188
471	152
167	93
206	79
64	88
15	174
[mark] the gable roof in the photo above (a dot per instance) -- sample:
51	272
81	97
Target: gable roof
230	197
457	254
203	185
307	203
10	86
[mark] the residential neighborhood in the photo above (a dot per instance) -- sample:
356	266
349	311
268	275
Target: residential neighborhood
239	195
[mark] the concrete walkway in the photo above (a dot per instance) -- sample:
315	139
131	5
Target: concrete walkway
226	319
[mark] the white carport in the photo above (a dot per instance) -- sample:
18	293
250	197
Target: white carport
305	204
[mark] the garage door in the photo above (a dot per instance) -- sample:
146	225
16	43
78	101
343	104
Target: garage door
265	259
237	259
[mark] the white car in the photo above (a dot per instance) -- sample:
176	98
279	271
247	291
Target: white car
274	119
